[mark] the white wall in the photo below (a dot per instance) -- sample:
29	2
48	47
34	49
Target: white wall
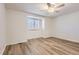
2	28
66	27
17	27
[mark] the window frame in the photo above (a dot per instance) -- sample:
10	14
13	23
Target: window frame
39	25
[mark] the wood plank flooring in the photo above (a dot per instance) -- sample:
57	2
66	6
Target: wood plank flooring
43	46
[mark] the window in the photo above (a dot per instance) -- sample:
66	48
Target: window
34	23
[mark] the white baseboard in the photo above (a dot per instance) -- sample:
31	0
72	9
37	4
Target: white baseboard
16	42
1	53
72	40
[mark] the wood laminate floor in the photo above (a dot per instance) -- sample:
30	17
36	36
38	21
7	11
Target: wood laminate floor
43	46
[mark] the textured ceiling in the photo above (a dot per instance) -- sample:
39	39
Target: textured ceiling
36	8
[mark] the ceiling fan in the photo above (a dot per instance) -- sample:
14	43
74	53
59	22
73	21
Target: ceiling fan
55	7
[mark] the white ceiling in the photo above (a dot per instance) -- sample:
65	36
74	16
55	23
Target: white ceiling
35	8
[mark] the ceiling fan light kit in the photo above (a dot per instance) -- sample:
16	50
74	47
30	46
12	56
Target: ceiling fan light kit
53	7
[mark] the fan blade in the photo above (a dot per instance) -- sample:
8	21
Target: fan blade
60	6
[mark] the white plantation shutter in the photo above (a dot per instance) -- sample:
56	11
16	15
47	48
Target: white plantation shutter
33	23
